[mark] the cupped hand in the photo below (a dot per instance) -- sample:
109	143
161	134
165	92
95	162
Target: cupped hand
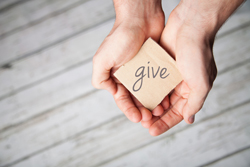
124	41
190	44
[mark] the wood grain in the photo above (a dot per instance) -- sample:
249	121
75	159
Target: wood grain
64	55
125	136
238	159
58	125
45	96
53	61
23	102
52	116
54	30
196	145
27	13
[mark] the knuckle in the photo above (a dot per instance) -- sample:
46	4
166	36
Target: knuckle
95	84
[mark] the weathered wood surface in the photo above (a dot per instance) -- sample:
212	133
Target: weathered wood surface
52	61
196	145
53	30
24	13
239	158
20	75
57	126
24	100
6	4
52	116
60	27
55	59
45	96
213	106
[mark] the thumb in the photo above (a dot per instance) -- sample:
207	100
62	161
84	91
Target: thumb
193	105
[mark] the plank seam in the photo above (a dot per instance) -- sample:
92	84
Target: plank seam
234	66
185	128
35	22
242	26
130	151
226	156
12	5
84	62
48	110
64	103
49	77
65	140
2	65
8	63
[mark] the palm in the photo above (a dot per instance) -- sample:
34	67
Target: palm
122	44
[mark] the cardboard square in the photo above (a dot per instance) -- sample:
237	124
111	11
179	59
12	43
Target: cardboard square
150	75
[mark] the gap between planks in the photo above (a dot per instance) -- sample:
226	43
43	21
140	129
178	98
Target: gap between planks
35	50
197	123
50	32
223	110
89	59
33	117
39	20
65	140
227	156
8	4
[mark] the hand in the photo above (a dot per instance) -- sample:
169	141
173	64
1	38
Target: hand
189	37
136	20
190	44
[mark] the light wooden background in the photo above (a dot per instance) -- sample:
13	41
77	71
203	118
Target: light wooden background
51	116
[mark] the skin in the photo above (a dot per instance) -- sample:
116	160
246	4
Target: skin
188	37
121	45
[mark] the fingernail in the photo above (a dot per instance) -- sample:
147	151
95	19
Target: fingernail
191	119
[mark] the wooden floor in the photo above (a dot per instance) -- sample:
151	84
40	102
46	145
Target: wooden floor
51	116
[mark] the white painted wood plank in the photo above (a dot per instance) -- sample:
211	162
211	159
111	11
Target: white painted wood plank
56	59
57	125
45	96
24	101
231	49
239	159
196	145
53	60
29	12
66	54
55	29
240	17
5	3
42	35
69	53
115	138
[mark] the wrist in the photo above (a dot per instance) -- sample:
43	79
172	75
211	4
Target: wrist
140	10
205	17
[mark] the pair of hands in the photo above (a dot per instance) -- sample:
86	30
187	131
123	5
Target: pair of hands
187	37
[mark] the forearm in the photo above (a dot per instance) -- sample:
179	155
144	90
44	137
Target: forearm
206	15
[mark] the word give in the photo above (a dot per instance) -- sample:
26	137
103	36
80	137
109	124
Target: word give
140	73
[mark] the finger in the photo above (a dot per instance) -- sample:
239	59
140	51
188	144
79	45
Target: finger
158	110
125	103
101	78
146	114
194	104
171	118
165	103
147	124
181	91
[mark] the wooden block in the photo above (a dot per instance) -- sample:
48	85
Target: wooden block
150	75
